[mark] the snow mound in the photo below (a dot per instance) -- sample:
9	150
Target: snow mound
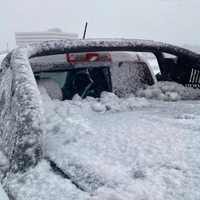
108	102
169	91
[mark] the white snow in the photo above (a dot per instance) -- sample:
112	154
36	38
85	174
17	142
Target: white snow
169	91
116	148
41	183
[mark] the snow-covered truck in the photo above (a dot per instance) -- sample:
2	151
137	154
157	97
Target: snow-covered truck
88	119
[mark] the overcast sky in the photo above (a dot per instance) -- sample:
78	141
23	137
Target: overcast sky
174	21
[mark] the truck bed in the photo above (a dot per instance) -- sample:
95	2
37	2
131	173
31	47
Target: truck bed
118	149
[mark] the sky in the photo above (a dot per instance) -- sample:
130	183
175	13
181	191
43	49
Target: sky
173	21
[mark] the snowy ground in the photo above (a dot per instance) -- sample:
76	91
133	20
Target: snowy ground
116	149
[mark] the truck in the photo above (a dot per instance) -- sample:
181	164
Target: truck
88	119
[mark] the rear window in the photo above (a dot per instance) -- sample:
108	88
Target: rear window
59	77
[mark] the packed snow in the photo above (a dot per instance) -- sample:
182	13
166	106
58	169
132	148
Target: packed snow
116	148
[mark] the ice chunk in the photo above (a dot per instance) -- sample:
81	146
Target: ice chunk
98	107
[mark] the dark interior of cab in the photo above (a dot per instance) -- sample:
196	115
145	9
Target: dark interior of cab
84	82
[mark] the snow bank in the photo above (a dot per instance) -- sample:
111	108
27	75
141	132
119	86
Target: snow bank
169	91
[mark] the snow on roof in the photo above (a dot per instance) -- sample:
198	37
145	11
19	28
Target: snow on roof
106	45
